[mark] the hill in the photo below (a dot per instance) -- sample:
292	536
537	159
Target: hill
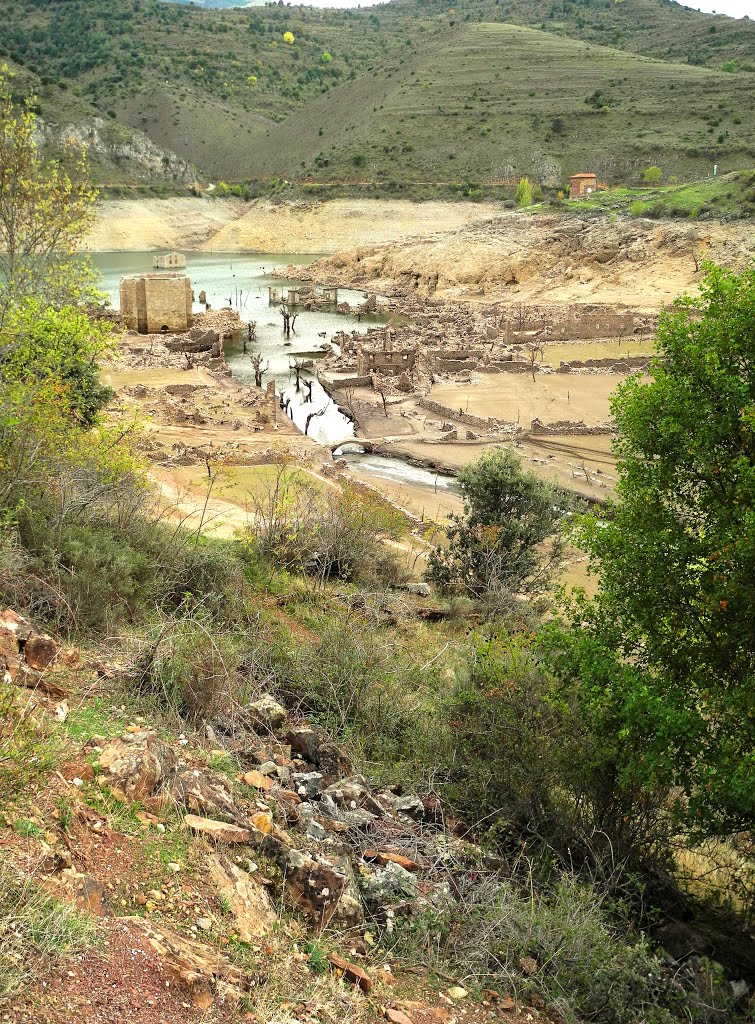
495	101
405	90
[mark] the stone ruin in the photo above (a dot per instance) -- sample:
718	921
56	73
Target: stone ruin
157	303
382	356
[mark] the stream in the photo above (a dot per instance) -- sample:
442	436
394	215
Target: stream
243	279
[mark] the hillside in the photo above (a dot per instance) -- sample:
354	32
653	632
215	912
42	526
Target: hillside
496	101
205	89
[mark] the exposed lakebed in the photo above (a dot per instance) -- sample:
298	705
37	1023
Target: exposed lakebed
242	281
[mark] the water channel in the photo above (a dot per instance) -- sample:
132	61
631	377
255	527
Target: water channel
243	280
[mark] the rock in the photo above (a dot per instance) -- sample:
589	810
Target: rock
390	886
410	805
40	651
305	740
316	831
251	907
205	793
315	888
396	1016
136	764
385	857
193	966
267	713
204	923
332	762
528	965
308	784
351	972
220	831
457	992
257	780
90	895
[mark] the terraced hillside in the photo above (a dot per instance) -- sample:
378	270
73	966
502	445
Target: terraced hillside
409	90
492	101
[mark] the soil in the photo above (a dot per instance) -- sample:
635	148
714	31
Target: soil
232	225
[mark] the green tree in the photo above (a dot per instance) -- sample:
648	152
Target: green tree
665	653
45	211
505	542
41	344
523	194
652	175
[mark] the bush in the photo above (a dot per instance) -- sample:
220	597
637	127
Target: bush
563	943
505	542
27	752
327	532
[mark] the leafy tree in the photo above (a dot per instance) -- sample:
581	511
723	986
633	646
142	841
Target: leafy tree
504	542
652	175
45	211
40	344
665	651
523	194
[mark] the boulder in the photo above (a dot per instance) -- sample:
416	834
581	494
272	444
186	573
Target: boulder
305	740
390	886
193	966
308	784
137	764
314	887
40	651
205	793
252	909
266	713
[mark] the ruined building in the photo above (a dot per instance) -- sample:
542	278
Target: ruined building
382	357
169	261
155	303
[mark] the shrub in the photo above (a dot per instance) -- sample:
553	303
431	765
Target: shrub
35	930
524	192
505	541
27	751
652	175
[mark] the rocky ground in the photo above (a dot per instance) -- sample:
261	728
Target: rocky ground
242	872
545	257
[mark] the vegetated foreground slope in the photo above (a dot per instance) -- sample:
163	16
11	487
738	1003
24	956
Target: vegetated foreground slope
492	101
423	94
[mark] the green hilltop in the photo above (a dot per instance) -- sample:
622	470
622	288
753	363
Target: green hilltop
411	90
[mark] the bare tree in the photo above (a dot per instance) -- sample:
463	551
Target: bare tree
259	369
535	349
289	319
312	416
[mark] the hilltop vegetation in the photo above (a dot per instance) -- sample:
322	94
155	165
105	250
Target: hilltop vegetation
495	101
404	90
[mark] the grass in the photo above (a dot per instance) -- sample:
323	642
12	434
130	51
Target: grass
724	195
36	930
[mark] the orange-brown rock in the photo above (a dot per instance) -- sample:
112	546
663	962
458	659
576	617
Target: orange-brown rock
258	780
386	857
40	651
252	909
220	831
351	972
193	966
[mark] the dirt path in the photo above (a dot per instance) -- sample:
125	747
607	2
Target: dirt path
232	225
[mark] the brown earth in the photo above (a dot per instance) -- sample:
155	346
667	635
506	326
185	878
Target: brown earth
232	225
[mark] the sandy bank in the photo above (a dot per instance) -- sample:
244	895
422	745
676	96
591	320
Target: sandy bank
231	225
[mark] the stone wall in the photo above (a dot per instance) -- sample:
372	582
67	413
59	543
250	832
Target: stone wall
570	427
618	364
488	423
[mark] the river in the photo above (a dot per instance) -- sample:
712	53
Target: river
243	279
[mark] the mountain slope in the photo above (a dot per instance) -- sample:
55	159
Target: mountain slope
495	101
